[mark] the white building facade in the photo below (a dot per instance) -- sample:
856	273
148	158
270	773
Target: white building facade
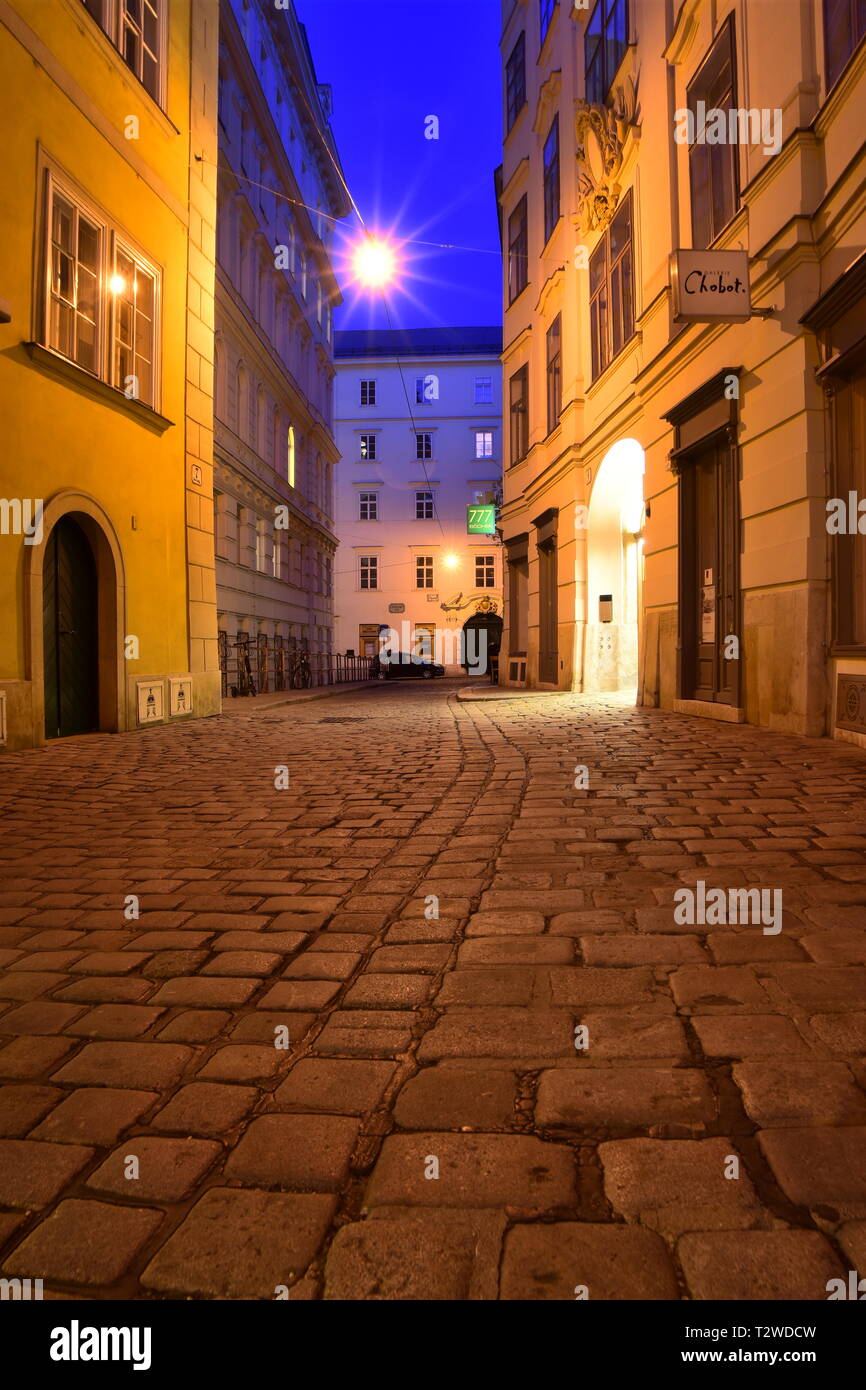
419	428
279	190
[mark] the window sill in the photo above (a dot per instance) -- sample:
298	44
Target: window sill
82	380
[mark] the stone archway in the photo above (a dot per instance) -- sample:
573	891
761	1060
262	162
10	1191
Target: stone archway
613	572
89	518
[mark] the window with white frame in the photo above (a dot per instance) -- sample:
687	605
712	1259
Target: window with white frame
484	444
484	390
369	571
368	446
423	444
134	286
368	506
423	571
485	571
135	27
424	506
101	309
276	544
304	274
368	392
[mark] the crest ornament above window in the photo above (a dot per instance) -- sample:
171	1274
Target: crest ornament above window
602	133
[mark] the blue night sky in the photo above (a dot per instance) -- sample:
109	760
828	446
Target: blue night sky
392	63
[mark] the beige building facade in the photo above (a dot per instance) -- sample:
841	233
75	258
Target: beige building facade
683	209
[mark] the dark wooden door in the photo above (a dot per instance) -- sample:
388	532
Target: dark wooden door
709	575
70	633
548	620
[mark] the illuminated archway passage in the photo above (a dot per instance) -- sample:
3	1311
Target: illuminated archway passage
614	545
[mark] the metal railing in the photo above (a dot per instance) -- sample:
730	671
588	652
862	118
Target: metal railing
258	664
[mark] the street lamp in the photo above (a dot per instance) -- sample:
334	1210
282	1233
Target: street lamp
373	262
451	562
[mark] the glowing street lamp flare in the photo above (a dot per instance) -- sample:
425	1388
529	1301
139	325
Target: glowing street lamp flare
374	263
117	284
451	561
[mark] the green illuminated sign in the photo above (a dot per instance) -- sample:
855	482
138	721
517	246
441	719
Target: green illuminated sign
481	521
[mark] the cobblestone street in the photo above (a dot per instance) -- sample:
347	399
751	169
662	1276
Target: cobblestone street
435	1127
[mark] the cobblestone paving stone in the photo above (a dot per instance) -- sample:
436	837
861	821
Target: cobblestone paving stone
287	1070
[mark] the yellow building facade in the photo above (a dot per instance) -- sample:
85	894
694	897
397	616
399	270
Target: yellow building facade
675	462
108	214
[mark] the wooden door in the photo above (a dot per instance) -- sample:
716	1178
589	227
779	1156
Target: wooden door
70	632
548	621
709	575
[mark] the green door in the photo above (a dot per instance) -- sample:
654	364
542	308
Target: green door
70	633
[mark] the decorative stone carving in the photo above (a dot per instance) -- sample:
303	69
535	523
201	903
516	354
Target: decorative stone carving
601	135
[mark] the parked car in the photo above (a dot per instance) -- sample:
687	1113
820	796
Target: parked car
402	666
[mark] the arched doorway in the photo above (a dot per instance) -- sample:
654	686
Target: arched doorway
481	638
614	558
70	629
70	632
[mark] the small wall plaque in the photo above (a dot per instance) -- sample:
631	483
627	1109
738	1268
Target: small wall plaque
851	703
150	697
179	696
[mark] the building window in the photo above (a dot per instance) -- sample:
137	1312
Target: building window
518	249
844	28
368	506
134	288
275	554
713	168
101	309
551	180
423	571
485	571
604	47
369	571
135	29
426	389
484	390
611	290
519	414
368	393
368	446
554	373
290	449
423	445
75	253
515	82
424	506
303	274
484	444
545	9
261	546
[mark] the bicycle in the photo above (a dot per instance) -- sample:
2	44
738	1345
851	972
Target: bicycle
300	675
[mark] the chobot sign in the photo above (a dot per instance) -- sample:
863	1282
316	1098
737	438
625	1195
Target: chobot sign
711	286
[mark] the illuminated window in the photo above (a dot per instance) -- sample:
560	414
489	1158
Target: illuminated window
100	308
484	444
134	302
368	446
291	455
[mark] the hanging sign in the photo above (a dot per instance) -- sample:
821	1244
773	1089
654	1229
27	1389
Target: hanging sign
710	286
